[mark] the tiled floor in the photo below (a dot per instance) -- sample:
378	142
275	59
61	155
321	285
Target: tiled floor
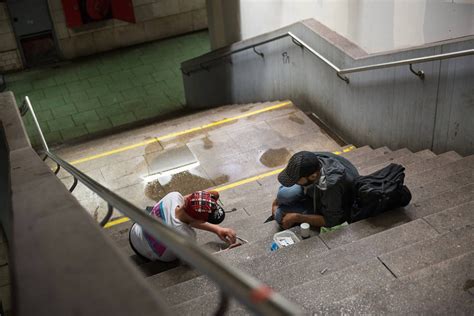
226	153
99	92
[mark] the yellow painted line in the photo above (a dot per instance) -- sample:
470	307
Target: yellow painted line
116	222
248	180
229	186
187	131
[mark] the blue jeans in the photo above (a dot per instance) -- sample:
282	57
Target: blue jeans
292	200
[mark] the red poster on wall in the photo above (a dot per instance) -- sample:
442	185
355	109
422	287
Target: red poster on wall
79	12
72	13
123	10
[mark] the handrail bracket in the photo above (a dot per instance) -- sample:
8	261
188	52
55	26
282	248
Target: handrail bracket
297	43
258	53
185	73
73	186
419	73
343	78
204	67
108	215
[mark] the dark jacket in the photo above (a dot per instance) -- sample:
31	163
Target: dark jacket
335	202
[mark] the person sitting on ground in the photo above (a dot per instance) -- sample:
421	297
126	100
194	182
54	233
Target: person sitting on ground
197	210
316	189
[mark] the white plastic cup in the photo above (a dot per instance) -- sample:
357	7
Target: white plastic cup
304	227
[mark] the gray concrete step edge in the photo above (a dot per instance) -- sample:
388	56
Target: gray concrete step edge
425	154
433	163
357	152
439	289
403	160
425	188
454	217
411	258
369	155
383	158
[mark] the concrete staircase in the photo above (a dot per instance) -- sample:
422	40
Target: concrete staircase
418	259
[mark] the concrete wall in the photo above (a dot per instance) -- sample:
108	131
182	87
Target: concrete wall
224	22
155	19
382	107
61	261
9	54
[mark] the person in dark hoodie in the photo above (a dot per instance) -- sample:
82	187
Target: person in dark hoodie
316	189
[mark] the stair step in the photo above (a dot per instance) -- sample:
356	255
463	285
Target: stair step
448	199
383	158
418	256
357	152
433	188
358	160
302	267
373	274
453	218
249	194
365	228
174	276
442	289
332	287
154	267
119	232
425	154
433	163
404	161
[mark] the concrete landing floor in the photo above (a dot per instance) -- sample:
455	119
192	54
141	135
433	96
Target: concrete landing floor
212	148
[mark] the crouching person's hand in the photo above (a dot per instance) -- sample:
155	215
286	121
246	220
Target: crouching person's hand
227	234
289	220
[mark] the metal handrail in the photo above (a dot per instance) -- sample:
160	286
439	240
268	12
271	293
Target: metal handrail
339	72
409	61
248	290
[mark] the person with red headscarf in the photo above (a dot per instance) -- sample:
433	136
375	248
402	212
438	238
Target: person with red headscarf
184	213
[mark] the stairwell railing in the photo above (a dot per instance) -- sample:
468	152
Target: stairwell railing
233	283
341	73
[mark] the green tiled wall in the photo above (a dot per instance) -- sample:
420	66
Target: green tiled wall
99	92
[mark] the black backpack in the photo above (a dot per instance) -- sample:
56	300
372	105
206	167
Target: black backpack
379	192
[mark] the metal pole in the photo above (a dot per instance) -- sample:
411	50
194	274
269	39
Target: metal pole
43	140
